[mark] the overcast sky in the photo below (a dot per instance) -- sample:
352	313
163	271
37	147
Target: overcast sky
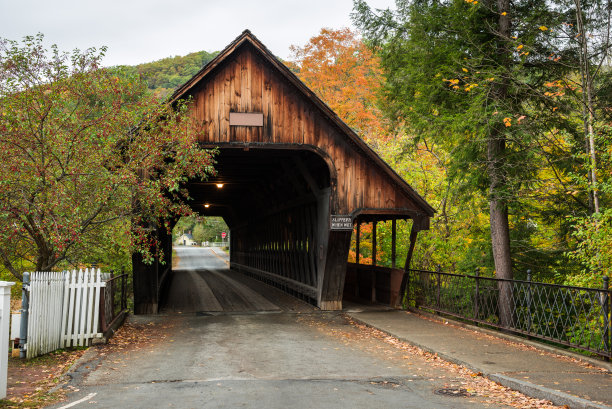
137	31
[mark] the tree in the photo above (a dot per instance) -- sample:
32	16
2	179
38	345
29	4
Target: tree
345	74
85	151
469	76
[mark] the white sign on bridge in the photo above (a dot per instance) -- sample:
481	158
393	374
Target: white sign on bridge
341	222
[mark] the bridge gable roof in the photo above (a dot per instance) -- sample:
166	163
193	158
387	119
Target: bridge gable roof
195	84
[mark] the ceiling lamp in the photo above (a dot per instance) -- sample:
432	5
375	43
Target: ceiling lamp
219	185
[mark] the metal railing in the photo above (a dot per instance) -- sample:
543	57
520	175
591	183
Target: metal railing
113	301
576	317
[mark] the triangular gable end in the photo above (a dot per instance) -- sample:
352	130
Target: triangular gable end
247	78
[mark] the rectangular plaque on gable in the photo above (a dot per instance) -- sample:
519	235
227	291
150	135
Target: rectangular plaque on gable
246	118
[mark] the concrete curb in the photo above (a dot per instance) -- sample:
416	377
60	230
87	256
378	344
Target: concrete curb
527	388
540	392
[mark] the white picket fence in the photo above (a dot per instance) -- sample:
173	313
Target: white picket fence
64	310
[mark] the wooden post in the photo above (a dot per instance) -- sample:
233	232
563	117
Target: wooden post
374	242
357	239
373	272
332	287
406	278
145	286
393	244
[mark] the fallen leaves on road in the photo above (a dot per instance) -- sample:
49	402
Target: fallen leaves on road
474	383
428	366
136	335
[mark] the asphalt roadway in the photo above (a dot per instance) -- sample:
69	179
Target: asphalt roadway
278	354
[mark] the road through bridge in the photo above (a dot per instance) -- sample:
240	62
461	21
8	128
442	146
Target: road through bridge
292	181
255	347
202	283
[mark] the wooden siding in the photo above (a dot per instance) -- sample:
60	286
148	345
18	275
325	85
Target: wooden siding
246	82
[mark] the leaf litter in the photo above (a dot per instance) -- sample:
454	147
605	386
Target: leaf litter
425	364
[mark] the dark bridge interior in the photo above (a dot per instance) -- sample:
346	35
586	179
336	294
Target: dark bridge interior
271	200
253	184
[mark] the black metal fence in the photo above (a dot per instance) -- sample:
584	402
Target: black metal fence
113	301
577	317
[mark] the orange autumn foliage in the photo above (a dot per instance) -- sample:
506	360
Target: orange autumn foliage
346	75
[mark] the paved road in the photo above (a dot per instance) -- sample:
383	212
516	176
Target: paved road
300	358
191	258
202	283
262	361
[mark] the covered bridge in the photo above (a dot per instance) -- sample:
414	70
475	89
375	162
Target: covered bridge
293	179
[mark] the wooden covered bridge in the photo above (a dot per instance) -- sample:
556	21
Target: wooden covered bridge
293	180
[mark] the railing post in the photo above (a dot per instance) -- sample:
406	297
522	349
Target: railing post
416	302
529	301
25	306
477	296
606	315
438	271
123	291
102	309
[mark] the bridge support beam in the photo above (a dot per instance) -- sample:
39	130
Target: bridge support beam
149	280
332	279
145	284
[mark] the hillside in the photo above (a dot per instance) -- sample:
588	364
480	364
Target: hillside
165	75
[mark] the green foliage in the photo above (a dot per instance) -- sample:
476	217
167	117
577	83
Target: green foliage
164	76
88	163
202	228
457	87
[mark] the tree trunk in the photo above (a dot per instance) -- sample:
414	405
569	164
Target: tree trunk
498	206
588	108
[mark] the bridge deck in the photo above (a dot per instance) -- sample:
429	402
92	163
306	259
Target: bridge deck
202	283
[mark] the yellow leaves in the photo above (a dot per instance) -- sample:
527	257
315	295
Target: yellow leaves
472	2
554	94
504	13
519	47
469	87
490	79
508	121
453	83
465	69
543	28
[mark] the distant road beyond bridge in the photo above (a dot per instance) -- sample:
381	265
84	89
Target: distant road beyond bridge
202	283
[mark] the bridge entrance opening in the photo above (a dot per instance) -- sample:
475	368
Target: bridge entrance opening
271	200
